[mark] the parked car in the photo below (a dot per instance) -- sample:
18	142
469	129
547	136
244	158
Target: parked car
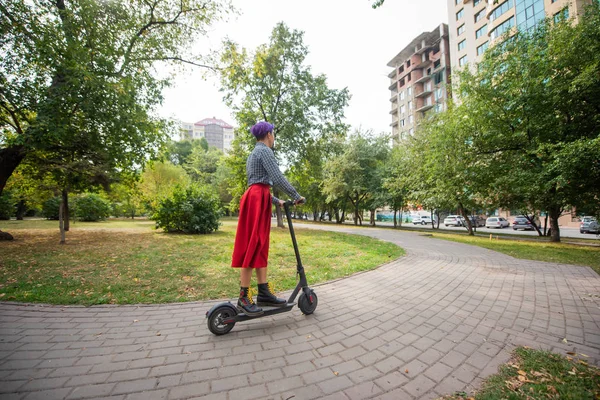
496	222
593	227
584	227
521	222
454	220
476	221
422	219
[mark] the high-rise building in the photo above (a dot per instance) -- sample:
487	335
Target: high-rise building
419	80
217	132
476	24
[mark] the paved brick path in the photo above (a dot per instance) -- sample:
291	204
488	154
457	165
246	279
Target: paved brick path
434	322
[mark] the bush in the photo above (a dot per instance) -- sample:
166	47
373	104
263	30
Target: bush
50	208
7	208
190	210
91	207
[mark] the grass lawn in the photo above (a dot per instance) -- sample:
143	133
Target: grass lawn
534	250
536	374
127	262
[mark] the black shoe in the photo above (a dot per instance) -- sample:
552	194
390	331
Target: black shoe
246	305
266	298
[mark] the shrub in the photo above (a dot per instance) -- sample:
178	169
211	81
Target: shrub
91	207
50	208
189	209
7	208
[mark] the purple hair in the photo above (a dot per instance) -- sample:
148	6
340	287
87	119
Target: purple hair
261	129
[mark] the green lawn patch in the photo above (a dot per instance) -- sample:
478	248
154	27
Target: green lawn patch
537	374
127	262
563	253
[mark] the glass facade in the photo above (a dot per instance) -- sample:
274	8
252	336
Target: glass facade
462	45
481	49
504	7
503	27
480	32
529	13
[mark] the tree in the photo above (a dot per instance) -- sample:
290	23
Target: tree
442	169
534	99
158	181
274	85
355	175
178	151
77	79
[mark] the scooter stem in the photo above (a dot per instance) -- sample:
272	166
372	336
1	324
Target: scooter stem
288	214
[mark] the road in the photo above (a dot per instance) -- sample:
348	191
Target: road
565	232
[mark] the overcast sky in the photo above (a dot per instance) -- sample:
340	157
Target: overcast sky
347	40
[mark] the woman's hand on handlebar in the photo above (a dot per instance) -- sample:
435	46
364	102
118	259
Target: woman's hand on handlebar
301	200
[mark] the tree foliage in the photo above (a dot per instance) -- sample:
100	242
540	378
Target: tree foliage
273	84
77	79
534	100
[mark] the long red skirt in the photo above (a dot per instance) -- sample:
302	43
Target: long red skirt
251	248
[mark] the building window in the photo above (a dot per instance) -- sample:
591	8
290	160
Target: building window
456	2
460	14
409	106
529	13
481	49
460	30
503	27
410	119
401	69
480	15
411	131
562	15
401	95
402	82
407	63
462	45
409	92
402	122
408	77
438	94
504	7
462	61
402	109
481	31
475	2
438	77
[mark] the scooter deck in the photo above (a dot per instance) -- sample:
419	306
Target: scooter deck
266	311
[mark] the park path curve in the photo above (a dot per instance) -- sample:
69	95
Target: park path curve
434	322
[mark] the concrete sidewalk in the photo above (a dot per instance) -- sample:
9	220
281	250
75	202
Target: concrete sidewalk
434	322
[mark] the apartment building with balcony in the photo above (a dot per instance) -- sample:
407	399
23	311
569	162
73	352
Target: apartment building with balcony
217	132
419	80
474	25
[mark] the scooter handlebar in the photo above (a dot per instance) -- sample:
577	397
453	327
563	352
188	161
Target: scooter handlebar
293	202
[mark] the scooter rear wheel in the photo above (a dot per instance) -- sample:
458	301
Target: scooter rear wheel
215	321
305	304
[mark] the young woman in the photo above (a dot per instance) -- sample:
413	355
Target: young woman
251	248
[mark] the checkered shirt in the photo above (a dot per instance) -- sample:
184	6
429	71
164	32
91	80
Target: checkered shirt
261	167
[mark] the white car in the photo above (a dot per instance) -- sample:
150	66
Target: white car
496	222
453	220
421	219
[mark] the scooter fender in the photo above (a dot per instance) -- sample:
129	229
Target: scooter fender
226	304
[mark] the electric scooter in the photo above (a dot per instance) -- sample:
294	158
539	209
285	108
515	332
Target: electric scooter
223	316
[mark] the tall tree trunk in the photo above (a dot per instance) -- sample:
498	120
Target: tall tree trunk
395	221
10	158
21	209
554	229
463	212
66	216
61	222
372	221
278	210
343	217
401	216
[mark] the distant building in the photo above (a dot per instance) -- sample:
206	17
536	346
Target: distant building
217	132
419	81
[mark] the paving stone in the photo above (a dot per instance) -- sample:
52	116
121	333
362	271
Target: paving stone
458	312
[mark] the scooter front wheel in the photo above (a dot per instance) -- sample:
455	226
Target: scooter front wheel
215	321
308	305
